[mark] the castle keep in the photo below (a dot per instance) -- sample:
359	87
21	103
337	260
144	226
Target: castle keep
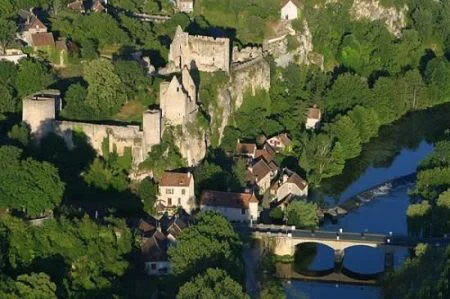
207	54
177	107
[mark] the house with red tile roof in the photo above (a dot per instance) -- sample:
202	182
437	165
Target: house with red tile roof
279	142
290	184
176	189
313	117
239	207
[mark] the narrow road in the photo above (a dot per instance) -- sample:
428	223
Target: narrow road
251	283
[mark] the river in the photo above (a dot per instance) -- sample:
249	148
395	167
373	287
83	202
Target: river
397	151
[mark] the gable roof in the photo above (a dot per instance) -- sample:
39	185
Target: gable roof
175	179
314	112
97	6
176	226
34	22
76	5
43	39
294	178
259	171
227	199
245	148
155	247
295	2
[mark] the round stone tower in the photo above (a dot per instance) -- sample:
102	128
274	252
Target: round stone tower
151	126
39	112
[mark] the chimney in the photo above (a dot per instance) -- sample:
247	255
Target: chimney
285	178
189	174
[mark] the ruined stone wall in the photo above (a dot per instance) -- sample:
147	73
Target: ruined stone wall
120	137
207	54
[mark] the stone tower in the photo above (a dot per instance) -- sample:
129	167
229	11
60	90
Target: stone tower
39	112
151	126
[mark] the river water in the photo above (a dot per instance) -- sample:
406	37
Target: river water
396	152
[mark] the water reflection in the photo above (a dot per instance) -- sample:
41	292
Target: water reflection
317	290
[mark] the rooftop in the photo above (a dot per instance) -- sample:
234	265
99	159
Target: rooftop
175	179
227	199
313	113
245	148
43	39
284	2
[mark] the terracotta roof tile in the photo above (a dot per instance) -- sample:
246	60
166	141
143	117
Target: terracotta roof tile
227	199
313	113
76	5
260	170
175	179
43	39
35	23
245	148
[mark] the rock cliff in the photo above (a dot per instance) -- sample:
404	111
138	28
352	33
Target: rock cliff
395	19
253	75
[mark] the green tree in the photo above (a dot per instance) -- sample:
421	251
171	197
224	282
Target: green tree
239	171
132	76
7	32
366	121
321	157
418	217
214	283
104	95
20	133
104	177
303	214
33	76
35	286
147	193
39	183
210	242
348	135
76	106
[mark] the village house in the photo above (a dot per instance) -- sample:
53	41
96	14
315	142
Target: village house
176	190
245	150
289	9
35	33
97	6
77	5
186	6
156	237
313	117
239	207
290	184
260	175
280	142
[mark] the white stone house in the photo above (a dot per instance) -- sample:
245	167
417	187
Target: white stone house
239	207
290	184
289	9
185	5
313	117
176	190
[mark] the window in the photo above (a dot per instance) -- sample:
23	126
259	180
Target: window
153	266
169	191
243	211
179	201
169	201
183	191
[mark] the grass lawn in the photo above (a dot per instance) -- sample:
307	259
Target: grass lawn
131	111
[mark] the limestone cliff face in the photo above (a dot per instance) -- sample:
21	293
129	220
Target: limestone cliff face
192	146
253	76
395	19
304	52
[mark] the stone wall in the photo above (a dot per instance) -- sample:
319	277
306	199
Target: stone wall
204	53
120	137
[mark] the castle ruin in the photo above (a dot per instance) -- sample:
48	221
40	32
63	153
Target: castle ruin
177	107
207	54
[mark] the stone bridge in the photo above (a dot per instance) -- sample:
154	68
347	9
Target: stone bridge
285	239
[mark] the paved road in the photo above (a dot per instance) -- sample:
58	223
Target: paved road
389	239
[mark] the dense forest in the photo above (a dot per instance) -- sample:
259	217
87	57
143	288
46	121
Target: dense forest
370	79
